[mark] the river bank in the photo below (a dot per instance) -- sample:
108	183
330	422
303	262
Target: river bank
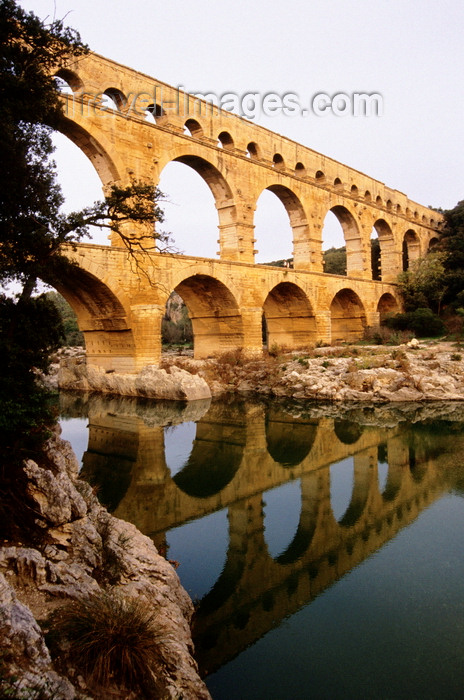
77	552
432	371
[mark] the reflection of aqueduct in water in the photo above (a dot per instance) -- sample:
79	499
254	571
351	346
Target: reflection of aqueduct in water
239	453
120	311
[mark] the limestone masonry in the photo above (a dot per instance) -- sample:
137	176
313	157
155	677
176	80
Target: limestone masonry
120	308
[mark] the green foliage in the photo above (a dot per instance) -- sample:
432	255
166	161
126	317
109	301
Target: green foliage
32	226
424	284
423	322
114	639
29	331
179	331
375	259
452	243
335	261
72	335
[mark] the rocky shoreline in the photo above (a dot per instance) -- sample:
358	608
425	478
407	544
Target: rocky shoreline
80	551
375	374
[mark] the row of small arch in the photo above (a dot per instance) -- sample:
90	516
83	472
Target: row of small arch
67	80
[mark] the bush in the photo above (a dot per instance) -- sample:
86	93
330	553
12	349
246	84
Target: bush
113	639
423	322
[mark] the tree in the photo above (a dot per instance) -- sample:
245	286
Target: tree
335	261
33	227
452	244
424	284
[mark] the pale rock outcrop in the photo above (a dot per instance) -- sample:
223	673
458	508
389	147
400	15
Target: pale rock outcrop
173	384
84	548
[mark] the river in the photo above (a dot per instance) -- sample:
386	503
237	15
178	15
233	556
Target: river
324	550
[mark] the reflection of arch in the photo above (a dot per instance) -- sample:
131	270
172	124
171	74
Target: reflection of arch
354	252
387	305
289	317
308	522
288	441
211	466
411	248
98	156
348	318
215	315
348	431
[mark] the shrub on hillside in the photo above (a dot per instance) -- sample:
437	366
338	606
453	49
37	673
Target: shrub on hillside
423	322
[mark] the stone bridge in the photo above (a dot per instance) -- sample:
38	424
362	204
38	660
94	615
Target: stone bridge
131	126
240	453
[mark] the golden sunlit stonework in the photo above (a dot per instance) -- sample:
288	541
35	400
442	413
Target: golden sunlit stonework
131	126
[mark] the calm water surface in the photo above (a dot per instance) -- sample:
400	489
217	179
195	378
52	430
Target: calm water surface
324	552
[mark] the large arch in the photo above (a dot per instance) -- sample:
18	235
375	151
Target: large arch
109	339
388	258
223	199
387	305
298	222
411	248
289	317
355	264
215	315
348	318
93	149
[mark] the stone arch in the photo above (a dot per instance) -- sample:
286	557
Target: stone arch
352	236
225	140
319	176
153	112
298	221
101	317
411	248
221	191
278	162
193	128
117	97
71	78
388	257
338	184
215	315
354	191
433	242
93	149
290	319
387	305
348	318
253	150
300	170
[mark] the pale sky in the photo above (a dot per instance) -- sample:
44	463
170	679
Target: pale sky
409	51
